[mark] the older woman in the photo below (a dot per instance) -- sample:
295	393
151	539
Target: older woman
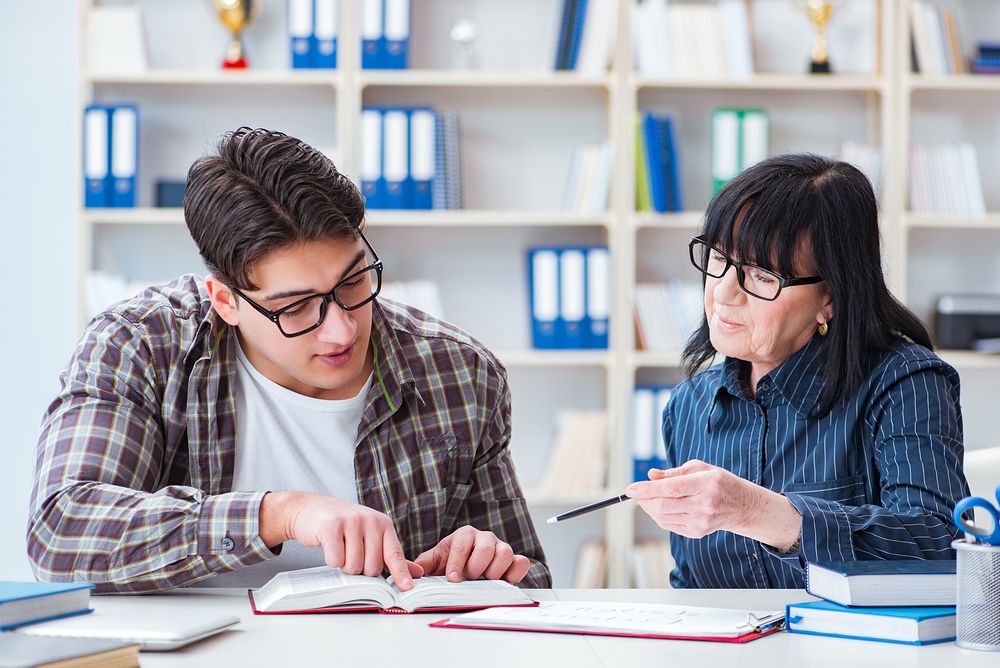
830	431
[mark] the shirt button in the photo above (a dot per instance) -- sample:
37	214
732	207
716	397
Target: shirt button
753	558
228	544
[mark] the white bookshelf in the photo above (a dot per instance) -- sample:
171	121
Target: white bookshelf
520	122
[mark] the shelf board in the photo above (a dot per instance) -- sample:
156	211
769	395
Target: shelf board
654	359
940	221
475	78
379	218
684	220
484	218
133	216
554	358
969	359
955	82
220	77
769	82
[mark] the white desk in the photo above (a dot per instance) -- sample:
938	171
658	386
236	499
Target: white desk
407	642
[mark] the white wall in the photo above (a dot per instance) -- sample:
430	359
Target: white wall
38	110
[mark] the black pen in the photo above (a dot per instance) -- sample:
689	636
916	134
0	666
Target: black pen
582	510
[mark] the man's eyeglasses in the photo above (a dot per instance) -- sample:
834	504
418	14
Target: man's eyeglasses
755	281
303	316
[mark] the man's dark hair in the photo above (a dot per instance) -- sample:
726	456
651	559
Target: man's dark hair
264	191
808	202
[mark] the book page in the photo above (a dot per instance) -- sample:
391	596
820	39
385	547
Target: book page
435	591
636	619
321	587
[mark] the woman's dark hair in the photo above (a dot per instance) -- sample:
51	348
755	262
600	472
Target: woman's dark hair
802	201
264	191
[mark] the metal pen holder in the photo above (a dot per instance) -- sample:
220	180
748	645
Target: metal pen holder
977	597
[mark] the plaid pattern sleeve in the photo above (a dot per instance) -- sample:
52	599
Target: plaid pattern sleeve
103	507
434	443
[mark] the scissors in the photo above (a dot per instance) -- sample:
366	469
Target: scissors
981	535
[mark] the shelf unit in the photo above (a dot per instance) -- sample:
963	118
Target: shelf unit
489	238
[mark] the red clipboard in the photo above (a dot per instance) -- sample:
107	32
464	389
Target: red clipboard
747	637
382	611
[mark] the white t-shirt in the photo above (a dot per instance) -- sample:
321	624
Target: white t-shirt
286	441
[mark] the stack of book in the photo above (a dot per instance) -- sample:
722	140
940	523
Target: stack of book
937	48
312	33
652	563
410	158
945	179
576	462
648	449
909	601
657	177
569	296
667	314
987	59
690	40
110	155
586	35
385	34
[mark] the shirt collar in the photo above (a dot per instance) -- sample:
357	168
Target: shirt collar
799	379
392	368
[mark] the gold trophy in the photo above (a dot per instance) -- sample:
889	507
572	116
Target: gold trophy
819	13
237	16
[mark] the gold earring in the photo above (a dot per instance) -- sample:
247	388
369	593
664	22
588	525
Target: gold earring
823	328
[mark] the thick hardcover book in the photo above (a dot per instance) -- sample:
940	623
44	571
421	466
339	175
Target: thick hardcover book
29	602
20	651
324	589
913	582
909	626
625	620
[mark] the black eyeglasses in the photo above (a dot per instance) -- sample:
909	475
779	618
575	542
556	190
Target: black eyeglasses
755	281
306	314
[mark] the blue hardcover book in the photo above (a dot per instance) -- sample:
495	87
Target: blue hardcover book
912	582
909	626
124	154
372	179
396	158
672	165
423	157
372	34
396	32
579	18
566	26
573	297
96	156
598	272
326	23
543	286
654	162
300	32
30	602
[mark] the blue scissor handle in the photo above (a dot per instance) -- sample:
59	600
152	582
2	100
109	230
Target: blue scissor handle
970	502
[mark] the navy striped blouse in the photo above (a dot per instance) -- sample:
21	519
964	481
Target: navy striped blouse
876	478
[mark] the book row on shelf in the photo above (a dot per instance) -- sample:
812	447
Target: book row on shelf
586	35
945	179
693	40
570	297
666	314
651	564
410	158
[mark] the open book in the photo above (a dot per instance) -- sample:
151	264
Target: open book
637	620
325	589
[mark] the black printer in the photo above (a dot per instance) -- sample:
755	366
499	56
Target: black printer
968	322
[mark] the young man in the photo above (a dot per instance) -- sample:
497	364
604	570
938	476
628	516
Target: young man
277	415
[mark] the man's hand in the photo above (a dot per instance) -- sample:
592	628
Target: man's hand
697	499
354	538
473	554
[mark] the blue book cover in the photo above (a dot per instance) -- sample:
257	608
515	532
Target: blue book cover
566	26
908	626
543	297
30	602
672	165
574	45
654	163
887	567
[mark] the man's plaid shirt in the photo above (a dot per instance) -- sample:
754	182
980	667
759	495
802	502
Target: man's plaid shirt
135	461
